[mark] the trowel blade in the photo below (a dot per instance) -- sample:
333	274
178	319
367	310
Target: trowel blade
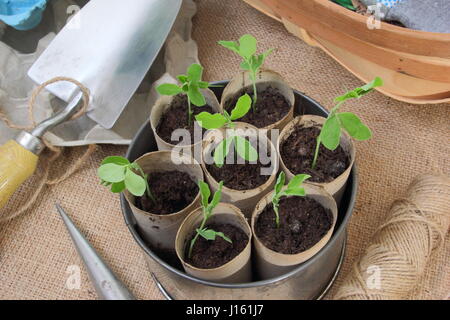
108	46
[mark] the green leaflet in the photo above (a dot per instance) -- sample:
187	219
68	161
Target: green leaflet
207	208
111	172
169	89
252	62
242	107
118	173
190	85
331	130
210	121
331	133
354	127
134	183
294	188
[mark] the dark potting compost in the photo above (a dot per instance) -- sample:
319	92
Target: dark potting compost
209	254
238	175
303	222
297	152
173	190
271	106
176	117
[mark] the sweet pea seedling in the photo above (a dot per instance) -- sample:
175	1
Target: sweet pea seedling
215	121
330	133
246	48
294	188
190	85
207	208
119	173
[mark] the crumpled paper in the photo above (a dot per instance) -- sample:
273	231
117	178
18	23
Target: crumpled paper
430	15
177	54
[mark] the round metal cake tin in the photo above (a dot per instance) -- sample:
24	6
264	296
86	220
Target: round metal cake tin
309	280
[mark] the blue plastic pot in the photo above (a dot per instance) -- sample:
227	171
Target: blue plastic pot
22	14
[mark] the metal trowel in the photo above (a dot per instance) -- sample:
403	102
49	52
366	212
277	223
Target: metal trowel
108	46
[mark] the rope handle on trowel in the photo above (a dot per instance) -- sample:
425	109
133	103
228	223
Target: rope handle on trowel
19	157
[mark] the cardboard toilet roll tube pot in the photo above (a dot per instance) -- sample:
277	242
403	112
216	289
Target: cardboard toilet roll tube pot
335	187
160	230
245	200
161	106
265	78
269	263
237	270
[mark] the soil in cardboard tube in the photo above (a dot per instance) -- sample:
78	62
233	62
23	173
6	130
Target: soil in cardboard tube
271	106
173	190
209	254
176	117
239	176
303	223
297	152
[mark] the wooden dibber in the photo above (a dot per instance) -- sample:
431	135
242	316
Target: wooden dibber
399	251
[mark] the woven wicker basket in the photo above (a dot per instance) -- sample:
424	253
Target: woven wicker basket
414	65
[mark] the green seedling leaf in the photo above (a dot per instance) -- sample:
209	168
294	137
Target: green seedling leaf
203	84
294	188
120	161
210	121
252	62
331	133
207	208
196	96
258	61
297	181
195	72
190	85
118	187
295	192
243	105
221	151
359	92
230	45
111	172
224	237
216	198
182	78
354	127
280	183
210	234
331	130
134	183
204	192
245	149
247	46
169	89
118	173
377	82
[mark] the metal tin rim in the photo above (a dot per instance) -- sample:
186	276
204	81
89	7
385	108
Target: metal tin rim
126	211
167	295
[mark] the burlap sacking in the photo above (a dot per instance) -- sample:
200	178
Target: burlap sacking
407	139
401	247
